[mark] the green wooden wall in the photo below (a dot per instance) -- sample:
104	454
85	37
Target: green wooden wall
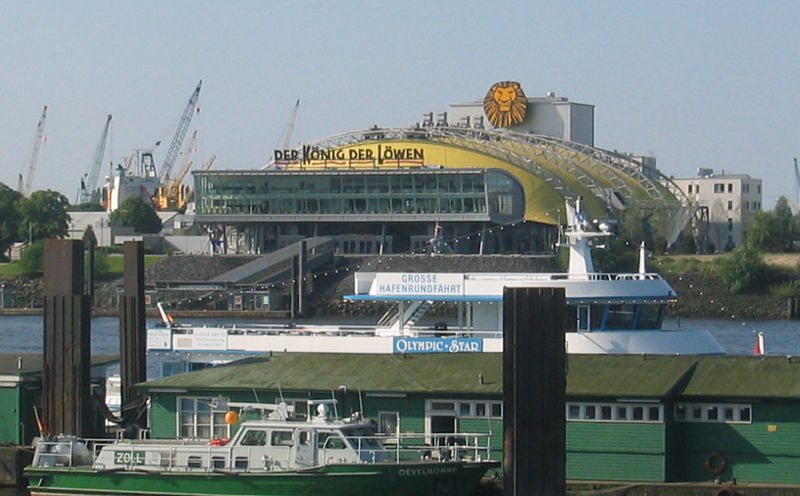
616	451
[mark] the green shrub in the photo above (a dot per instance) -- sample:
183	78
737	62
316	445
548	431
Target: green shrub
742	270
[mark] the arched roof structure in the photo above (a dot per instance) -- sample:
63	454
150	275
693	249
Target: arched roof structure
548	169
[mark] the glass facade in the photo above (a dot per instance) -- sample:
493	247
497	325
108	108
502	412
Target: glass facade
417	191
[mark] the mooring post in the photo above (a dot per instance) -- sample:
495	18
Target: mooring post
534	391
132	336
66	406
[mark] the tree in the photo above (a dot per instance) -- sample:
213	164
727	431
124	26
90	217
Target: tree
135	213
31	260
9	218
768	232
43	215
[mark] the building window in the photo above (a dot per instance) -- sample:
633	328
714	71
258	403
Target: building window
690	189
201	418
745	187
730	187
758	189
730	204
710	412
614	412
730	224
719	188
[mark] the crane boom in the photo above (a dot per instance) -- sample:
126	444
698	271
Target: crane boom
183	126
26	186
88	187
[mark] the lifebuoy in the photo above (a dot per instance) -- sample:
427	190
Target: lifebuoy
219	441
716	463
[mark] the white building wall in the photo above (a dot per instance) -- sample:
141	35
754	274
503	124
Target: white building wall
548	116
732	201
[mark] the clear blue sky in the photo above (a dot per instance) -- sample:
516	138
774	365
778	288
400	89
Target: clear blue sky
697	84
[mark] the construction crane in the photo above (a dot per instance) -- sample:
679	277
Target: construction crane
183	126
171	190
88	191
285	140
25	186
796	183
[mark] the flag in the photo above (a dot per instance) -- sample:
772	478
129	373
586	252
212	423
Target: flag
759	348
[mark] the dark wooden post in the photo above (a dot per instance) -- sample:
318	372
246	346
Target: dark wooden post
66	406
132	342
534	391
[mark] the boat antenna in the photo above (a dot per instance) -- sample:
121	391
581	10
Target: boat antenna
333	397
360	402
255	394
280	393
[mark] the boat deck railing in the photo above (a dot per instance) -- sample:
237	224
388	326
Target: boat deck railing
199	455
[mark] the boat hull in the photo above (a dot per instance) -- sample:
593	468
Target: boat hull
436	478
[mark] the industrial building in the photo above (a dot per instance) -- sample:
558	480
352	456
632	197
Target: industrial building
726	205
490	178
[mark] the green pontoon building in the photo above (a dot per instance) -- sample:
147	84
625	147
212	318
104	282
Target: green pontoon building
629	418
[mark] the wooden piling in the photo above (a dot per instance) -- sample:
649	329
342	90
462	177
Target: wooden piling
534	391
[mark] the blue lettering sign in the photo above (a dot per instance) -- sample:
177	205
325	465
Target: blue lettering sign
437	345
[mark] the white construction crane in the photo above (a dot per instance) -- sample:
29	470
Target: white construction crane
285	140
183	126
26	185
796	183
88	189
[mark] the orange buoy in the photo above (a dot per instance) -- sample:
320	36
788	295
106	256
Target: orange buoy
231	417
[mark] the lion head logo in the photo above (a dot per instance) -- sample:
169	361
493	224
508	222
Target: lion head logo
505	104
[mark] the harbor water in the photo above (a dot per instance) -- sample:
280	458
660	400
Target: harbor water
23	334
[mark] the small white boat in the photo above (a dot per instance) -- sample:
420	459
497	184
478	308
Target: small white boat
275	455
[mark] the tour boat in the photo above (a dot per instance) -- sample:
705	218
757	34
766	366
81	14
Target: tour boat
270	456
617	313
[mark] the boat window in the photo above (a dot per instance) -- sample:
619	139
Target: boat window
254	437
333	442
480	409
583	317
620	317
240	463
305	438
281	438
194	461
596	316
650	316
217	462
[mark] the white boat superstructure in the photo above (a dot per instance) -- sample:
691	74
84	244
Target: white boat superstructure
615	313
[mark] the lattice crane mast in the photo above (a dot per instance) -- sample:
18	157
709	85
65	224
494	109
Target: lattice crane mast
171	191
25	185
796	183
88	190
180	133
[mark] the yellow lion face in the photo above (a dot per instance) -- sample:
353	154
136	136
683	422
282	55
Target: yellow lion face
505	104
504	97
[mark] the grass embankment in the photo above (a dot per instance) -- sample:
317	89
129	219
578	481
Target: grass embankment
702	293
114	270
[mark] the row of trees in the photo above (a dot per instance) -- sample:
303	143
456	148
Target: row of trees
45	214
